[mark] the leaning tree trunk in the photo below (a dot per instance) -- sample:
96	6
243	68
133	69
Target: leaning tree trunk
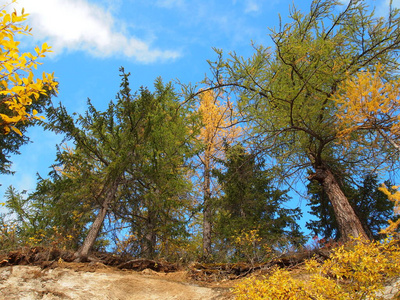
348	222
83	252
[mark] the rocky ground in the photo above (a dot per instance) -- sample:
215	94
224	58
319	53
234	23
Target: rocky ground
41	273
73	282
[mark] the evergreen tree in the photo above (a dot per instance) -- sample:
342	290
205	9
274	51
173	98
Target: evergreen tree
251	202
131	156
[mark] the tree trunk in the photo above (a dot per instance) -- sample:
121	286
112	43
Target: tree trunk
207	209
348	222
83	252
150	236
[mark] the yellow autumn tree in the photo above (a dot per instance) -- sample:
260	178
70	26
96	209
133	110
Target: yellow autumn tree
218	128
18	85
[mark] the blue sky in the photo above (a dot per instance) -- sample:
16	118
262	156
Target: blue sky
168	38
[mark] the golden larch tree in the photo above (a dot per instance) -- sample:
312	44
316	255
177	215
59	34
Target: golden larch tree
219	122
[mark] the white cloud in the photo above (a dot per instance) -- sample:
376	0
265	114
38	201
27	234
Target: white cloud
79	25
251	6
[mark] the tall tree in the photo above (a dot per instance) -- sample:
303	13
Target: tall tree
164	156
217	129
288	90
140	143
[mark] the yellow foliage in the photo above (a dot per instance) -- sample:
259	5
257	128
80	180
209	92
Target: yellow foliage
18	86
218	120
368	101
354	271
8	235
395	198
250	245
280	285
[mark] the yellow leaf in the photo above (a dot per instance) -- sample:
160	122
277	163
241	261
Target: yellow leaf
8	119
16	130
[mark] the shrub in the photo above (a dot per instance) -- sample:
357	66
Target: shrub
356	270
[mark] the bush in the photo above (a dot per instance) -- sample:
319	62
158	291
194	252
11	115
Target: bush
356	270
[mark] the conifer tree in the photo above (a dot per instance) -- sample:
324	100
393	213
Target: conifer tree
251	202
139	144
287	91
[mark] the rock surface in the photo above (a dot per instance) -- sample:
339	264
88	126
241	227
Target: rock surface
33	282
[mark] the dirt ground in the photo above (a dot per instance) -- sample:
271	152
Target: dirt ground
97	281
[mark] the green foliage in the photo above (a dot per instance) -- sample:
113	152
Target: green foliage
252	205
52	215
132	158
286	91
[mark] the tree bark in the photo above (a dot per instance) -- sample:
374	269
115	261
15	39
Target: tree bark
83	252
348	222
206	209
150	236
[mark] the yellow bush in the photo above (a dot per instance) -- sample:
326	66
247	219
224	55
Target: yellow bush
354	271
